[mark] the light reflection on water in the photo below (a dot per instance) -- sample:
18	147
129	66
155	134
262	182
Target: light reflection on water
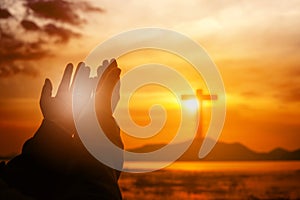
214	180
221	166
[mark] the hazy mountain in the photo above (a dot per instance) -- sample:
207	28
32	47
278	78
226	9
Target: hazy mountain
221	152
225	152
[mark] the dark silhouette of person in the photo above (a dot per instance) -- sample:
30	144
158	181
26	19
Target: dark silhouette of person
54	164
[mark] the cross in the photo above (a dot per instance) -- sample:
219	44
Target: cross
200	97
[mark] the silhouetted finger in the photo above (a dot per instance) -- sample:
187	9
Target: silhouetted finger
106	90
83	73
102	67
111	80
104	106
111	66
46	94
81	64
105	65
66	79
84	85
115	97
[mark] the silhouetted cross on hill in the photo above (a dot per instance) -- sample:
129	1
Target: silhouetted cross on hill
201	98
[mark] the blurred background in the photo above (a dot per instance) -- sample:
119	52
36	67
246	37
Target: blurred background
255	45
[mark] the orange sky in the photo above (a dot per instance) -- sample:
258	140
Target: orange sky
255	45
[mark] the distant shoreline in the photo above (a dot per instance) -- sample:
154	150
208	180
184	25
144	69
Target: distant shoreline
224	152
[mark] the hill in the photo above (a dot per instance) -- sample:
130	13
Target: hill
225	152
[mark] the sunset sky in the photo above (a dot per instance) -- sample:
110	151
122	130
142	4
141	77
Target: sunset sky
255	44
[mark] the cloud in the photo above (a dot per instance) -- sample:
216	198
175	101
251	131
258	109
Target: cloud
291	94
4	14
60	10
20	50
62	34
29	25
28	36
288	89
88	7
54	9
16	54
280	83
13	69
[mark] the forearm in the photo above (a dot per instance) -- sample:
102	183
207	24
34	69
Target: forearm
51	146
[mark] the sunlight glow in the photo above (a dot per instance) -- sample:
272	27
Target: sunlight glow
191	105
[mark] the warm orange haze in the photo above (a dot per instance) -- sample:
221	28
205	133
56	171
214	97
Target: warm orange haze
255	46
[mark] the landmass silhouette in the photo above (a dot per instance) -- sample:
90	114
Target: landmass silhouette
223	151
